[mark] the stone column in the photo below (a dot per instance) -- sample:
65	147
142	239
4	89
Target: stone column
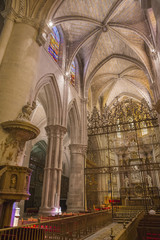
5	34
63	131
17	76
75	201
19	54
18	70
155	4
47	170
84	133
52	171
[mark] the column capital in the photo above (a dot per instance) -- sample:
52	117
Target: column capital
84	100
78	148
40	25
11	14
21	17
55	130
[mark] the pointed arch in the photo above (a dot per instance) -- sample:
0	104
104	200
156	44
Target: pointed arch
74	122
50	98
118	56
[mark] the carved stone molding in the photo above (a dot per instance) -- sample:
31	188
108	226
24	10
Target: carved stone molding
78	149
43	33
40	25
12	15
14	183
11	148
9	13
21	130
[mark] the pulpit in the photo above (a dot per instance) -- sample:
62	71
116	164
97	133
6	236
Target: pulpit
14	186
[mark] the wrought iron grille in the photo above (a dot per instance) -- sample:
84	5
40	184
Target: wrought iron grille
123	145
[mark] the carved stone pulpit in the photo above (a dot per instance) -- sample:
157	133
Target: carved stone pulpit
14	178
14	183
14	186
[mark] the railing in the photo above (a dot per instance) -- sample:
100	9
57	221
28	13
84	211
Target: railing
149	227
130	230
76	227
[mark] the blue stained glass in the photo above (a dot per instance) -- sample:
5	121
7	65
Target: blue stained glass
73	73
53	48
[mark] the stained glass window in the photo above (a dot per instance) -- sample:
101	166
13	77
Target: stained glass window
53	48
73	73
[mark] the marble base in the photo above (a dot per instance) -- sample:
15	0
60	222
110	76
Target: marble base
50	211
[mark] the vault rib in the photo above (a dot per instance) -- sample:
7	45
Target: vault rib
113	11
140	34
128	43
60	20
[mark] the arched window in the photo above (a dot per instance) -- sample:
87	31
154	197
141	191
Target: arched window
73	73
53	48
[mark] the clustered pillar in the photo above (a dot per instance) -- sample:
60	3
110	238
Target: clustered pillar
53	171
75	200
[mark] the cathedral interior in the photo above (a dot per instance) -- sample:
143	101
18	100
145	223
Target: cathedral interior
79	110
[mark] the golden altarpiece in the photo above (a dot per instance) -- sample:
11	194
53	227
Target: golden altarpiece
122	163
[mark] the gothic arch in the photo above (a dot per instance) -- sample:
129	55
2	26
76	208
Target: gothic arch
48	92
117	56
74	123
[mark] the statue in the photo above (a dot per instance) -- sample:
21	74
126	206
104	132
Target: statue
126	182
149	180
26	111
135	168
13	181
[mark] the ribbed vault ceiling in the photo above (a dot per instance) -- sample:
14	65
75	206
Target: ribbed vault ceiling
112	39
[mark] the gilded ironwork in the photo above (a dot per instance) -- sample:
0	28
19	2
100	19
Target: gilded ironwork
123	116
121	169
123	144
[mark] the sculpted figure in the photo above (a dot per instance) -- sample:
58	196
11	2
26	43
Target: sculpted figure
149	180
27	109
126	182
13	181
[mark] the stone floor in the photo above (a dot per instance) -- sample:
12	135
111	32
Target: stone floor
104	234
